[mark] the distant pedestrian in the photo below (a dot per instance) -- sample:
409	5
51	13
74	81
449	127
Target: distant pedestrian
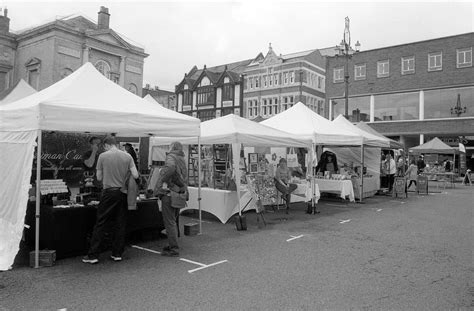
412	173
421	164
391	169
171	188
112	168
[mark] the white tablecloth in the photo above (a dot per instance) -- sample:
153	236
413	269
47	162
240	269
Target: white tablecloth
341	187
304	193
220	203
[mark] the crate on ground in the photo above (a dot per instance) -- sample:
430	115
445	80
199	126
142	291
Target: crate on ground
191	228
46	258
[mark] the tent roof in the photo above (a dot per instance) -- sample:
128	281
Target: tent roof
393	144
151	99
304	122
369	139
433	146
20	90
86	101
234	129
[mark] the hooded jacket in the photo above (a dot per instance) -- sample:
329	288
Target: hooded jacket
174	173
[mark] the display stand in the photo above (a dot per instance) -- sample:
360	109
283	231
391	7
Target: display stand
467	178
255	187
422	184
400	187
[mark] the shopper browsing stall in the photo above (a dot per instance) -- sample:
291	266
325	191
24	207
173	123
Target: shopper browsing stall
391	169
412	173
112	168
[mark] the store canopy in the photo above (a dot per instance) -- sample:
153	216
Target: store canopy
393	144
433	146
150	98
19	91
307	124
231	129
369	139
86	101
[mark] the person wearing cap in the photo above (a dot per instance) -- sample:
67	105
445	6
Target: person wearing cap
113	167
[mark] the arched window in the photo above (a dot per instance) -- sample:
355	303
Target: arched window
104	68
133	88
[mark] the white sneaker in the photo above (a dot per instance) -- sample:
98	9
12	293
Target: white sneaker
115	258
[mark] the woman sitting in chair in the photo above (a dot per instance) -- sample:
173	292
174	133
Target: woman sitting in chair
282	182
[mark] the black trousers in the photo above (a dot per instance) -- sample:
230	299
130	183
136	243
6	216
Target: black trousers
286	191
391	179
112	209
170	215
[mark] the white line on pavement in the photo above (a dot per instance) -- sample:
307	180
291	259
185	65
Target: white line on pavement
193	262
378	210
146	249
344	221
207	266
294	237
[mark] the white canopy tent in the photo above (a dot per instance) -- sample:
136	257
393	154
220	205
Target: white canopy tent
235	130
150	98
19	91
85	101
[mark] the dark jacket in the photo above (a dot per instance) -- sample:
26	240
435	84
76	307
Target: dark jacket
174	173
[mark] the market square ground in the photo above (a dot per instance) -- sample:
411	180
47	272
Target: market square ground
386	254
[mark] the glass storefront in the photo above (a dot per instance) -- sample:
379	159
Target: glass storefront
438	103
359	108
400	106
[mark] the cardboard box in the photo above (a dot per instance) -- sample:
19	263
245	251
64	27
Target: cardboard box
191	229
46	258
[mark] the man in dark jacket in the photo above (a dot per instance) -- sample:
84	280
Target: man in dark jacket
172	178
421	164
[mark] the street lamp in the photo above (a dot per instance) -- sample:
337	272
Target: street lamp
346	50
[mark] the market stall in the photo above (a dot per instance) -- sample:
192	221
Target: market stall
18	91
237	132
86	102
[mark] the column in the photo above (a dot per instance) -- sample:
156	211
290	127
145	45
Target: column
372	108
85	54
330	109
422	112
122	71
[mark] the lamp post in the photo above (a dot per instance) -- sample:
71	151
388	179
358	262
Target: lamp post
346	50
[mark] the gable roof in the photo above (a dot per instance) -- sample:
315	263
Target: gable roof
433	146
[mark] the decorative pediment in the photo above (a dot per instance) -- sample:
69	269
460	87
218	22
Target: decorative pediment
109	36
33	62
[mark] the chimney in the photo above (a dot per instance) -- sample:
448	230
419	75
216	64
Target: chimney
4	22
103	18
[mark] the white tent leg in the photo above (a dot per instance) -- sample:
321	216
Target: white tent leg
199	185
38	197
361	188
236	164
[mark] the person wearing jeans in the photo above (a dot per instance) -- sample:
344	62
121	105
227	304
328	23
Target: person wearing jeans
282	178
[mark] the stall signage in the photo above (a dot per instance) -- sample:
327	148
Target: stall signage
399	186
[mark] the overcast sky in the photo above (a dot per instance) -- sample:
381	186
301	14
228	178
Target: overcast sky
179	35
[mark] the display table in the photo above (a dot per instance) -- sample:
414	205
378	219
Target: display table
341	187
371	186
68	230
305	191
446	177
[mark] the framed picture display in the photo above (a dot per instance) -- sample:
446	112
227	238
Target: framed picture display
253	167
253	158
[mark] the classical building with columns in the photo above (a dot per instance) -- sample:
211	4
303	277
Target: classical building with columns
411	92
45	54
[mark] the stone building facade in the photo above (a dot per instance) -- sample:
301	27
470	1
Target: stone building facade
165	98
410	91
47	53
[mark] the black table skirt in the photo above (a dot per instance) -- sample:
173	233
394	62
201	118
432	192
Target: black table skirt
68	230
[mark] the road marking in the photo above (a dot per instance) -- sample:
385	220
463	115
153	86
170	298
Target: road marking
146	249
378	210
207	266
193	262
294	237
344	221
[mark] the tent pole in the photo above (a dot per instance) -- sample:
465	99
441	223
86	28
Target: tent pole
361	188
38	197
236	159
199	184
312	181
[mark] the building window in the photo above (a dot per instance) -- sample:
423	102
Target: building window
104	68
292	77
264	107
249	109
360	72
265	81
205	115
408	65
133	88
320	82
435	61
257	80
276	79
228	92
464	58
270	80
270	107
251	82
383	68
4	78
338	75
255	108
286	78
205	95
275	105
291	99
187	98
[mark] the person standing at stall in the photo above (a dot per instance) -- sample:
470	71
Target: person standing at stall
170	187
391	169
113	166
412	173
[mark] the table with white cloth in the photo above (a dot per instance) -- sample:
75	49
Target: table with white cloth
342	187
305	191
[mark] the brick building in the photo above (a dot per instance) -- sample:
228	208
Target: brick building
212	92
275	83
165	98
45	54
407	91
